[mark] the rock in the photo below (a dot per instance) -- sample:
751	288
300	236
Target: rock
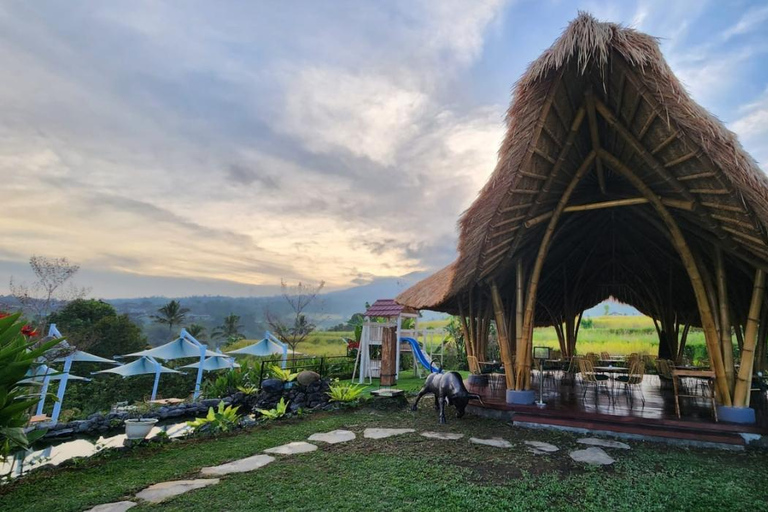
539	447
448	436
272	385
596	456
307	377
210	402
333	437
605	443
97	416
238	466
292	448
160	492
117	506
381	433
496	442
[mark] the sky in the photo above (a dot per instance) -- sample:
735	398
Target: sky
205	148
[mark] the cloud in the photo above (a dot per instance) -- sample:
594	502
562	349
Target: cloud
749	21
752	127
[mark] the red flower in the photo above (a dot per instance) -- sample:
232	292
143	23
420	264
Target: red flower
353	344
28	331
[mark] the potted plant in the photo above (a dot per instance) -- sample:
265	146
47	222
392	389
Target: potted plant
137	427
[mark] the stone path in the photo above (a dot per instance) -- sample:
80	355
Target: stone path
381	433
446	436
540	448
292	448
118	506
605	443
160	492
496	442
238	466
334	436
593	455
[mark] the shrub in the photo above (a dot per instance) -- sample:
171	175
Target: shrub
285	375
224	419
17	357
278	412
344	392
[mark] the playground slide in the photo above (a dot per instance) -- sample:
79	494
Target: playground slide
420	356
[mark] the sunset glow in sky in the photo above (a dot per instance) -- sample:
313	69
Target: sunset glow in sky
217	147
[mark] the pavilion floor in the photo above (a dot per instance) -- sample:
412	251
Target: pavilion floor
615	410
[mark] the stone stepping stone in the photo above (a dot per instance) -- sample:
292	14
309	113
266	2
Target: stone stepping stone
496	442
593	455
292	448
448	436
605	443
160	492
238	466
333	437
381	433
117	506
539	447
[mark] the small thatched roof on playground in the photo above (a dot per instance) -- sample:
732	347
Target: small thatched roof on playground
603	102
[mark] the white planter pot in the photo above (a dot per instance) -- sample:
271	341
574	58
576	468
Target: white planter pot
138	429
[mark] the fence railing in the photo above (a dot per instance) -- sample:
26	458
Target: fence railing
332	366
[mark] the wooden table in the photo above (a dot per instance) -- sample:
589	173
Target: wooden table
611	369
707	375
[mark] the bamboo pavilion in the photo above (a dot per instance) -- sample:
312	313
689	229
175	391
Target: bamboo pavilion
612	182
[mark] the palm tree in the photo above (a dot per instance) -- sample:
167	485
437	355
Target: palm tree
197	331
171	314
230	329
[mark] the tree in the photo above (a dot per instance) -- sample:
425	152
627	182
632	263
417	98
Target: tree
606	309
52	287
171	314
294	327
197	331
230	329
95	326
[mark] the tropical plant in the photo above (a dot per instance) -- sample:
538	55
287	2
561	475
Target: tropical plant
278	412
228	383
344	392
284	375
171	314
223	419
197	331
17	357
229	330
248	390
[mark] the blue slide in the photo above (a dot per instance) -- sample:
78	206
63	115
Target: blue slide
420	356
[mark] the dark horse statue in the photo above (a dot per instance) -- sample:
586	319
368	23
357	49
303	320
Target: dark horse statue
447	387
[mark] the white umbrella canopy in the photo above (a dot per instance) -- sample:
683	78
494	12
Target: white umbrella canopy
142	366
267	346
41	372
177	349
217	362
79	356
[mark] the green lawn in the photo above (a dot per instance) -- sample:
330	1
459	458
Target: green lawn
409	473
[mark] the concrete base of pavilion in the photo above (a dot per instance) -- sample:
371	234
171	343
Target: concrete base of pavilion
742	415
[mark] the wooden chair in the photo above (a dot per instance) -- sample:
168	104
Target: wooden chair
634	378
664	370
593	358
589	377
605	356
706	375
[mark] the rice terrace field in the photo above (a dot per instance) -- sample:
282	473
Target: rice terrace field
618	335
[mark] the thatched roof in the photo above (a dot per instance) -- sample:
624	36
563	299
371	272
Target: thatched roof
646	120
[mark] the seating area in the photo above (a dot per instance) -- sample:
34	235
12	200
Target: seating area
635	385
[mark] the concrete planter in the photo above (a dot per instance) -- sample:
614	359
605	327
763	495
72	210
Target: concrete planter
525	397
139	428
743	415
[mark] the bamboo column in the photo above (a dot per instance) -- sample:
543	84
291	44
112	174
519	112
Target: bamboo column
505	345
744	379
524	356
725	318
686	256
519	301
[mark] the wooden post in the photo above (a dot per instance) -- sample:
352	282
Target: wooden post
388	356
725	318
744	379
524	356
519	300
686	256
505	346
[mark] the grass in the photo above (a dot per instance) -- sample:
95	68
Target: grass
406	473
